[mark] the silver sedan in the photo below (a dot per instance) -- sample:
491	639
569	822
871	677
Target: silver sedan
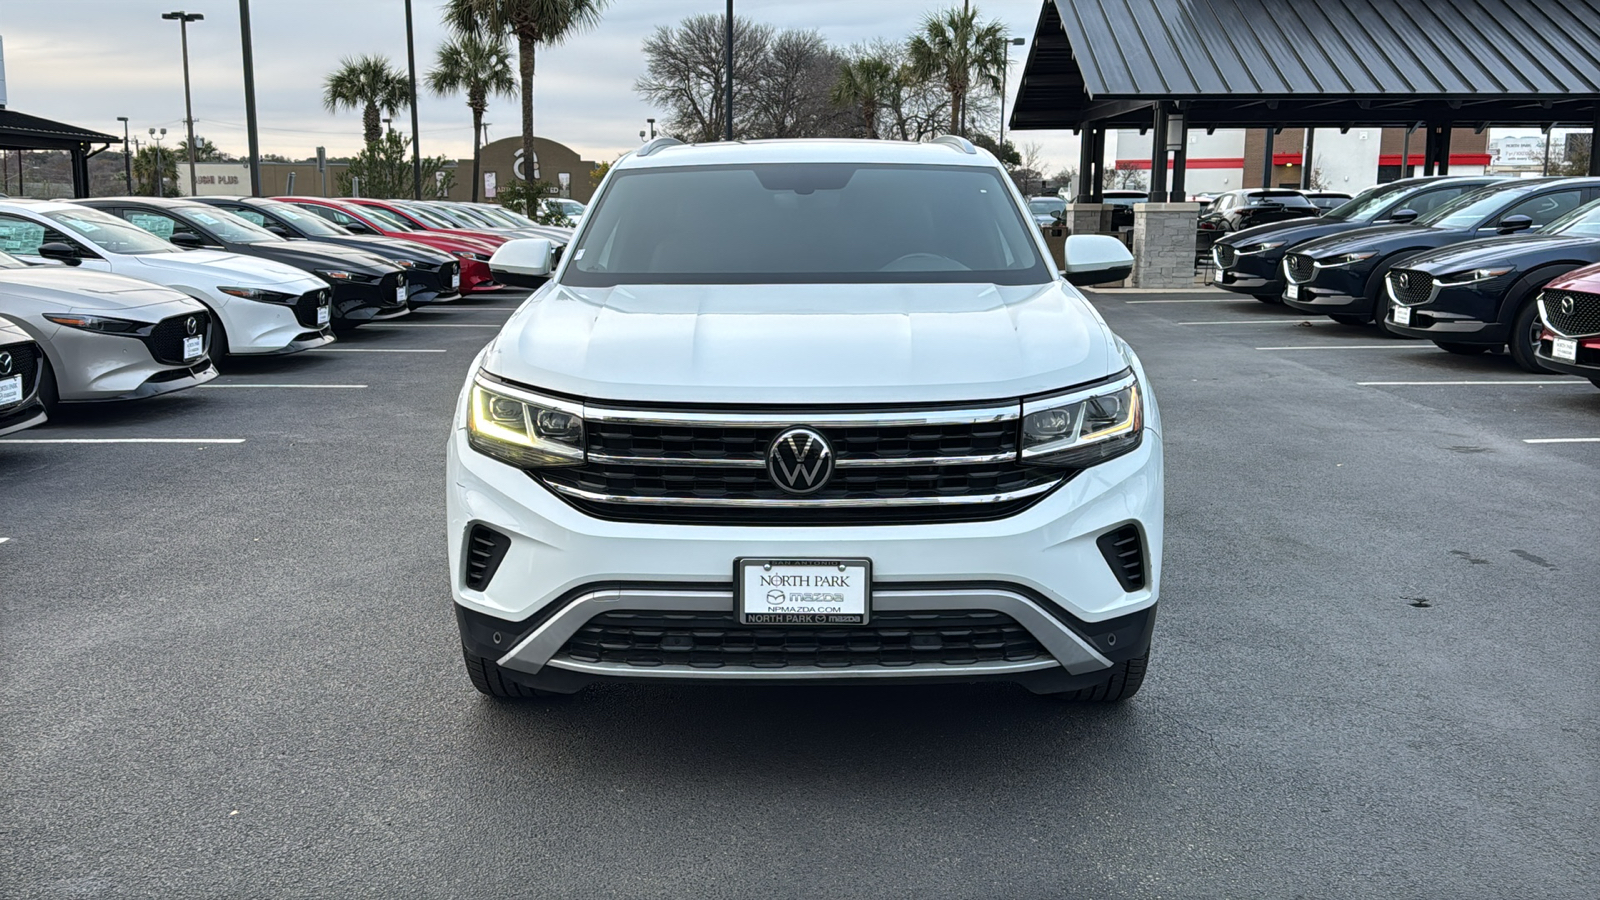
21	362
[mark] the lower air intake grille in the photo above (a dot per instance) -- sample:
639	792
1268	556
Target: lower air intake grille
167	337
712	640
485	549
1124	553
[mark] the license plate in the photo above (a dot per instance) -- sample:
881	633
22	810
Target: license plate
1562	348
455	279
194	347
400	293
1216	275
11	390
803	591
1292	292
324	315
1402	315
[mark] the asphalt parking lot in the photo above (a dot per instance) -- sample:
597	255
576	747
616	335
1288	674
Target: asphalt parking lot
230	669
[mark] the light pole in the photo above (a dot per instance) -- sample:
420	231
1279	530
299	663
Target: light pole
127	160
727	130
1004	75
156	139
183	19
416	130
652	123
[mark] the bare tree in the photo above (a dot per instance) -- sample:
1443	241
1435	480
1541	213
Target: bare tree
793	82
686	75
1126	175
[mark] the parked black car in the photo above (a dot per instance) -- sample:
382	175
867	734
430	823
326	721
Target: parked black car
1251	261
1570	342
432	276
1232	211
365	287
1342	276
1471	297
1122	203
1326	201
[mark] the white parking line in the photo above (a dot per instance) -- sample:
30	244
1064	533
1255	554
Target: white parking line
351	387
427	325
121	440
1207	300
1519	381
3	540
1589	440
1395	346
367	350
1249	322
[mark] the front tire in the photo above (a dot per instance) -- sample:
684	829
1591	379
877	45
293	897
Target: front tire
491	680
1461	349
1124	681
1525	330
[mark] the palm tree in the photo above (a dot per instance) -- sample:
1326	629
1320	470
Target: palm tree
479	66
533	23
370	84
958	51
864	82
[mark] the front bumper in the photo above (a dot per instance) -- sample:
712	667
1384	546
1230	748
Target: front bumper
476	277
369	302
22	415
1251	273
1331	291
432	286
90	366
1587	365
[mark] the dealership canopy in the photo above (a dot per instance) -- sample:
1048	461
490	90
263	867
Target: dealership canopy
1170	65
19	131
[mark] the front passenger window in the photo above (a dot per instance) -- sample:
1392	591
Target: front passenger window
1546	208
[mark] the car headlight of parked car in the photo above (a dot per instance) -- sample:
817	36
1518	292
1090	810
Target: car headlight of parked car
1260	248
1084	427
405	263
468	254
346	276
260	295
1346	259
102	324
1474	275
524	429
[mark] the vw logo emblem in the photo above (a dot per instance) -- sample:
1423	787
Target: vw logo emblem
191	325
800	461
1566	306
5	363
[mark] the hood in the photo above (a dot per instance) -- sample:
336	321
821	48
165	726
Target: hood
219	267
11	333
1586	279
1515	250
308	255
390	248
1289	231
804	344
448	243
1379	237
84	290
482	237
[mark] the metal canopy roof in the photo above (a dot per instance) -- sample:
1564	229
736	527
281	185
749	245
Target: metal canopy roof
19	131
1232	63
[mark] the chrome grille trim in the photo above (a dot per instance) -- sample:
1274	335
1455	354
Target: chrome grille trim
800	503
844	463
1582	322
811	418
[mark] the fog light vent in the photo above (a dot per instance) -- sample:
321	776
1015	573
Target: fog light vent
485	548
1124	553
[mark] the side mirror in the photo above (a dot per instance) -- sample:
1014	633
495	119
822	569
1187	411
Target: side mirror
280	231
188	240
524	262
355	227
1513	224
61	252
1095	259
1402	216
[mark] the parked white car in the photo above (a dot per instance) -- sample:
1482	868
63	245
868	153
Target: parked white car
21	362
264	307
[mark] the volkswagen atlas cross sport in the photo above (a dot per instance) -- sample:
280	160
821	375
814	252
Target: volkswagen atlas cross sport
827	413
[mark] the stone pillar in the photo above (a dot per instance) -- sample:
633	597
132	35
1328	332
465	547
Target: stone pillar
1163	244
1083	218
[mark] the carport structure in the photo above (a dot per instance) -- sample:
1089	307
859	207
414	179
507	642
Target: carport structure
1170	65
19	131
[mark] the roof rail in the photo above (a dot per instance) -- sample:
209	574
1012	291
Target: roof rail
657	144
956	141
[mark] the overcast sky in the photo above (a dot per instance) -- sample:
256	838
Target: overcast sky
88	61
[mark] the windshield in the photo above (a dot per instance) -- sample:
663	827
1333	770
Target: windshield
432	218
394	221
1468	209
799	223
1365	206
1581	222
514	216
466	216
313	225
110	233
225	225
1046	206
495	216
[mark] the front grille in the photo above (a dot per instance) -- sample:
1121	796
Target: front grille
305	308
166	338
25	362
1410	287
484	551
1223	255
714	640
953	466
1124	553
1580	320
1299	267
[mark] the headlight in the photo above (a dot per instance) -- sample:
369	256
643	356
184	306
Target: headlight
405	263
1347	259
524	429
260	295
101	324
468	254
1084	427
1474	275
1260	248
346	276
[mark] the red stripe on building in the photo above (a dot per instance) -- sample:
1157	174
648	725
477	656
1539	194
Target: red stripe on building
1218	162
1456	159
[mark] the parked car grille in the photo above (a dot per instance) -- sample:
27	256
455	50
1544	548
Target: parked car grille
1410	287
1300	267
940	466
166	338
714	640
1223	255
305	309
25	362
1581	320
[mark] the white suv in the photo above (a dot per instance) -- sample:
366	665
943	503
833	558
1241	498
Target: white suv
807	411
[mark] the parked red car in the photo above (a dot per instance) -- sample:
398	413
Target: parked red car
388	210
473	251
1570	308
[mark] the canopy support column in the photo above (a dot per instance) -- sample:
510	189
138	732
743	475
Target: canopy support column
1308	155
1266	157
1086	173
1158	154
1442	145
1594	145
1178	140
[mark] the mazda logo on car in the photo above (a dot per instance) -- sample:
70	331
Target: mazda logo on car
800	461
1404	280
1566	306
191	325
5	363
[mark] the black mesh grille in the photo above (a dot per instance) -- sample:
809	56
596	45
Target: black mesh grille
305	309
166	338
715	640
1300	267
1410	287
484	550
25	362
1580	320
1124	552
1223	255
